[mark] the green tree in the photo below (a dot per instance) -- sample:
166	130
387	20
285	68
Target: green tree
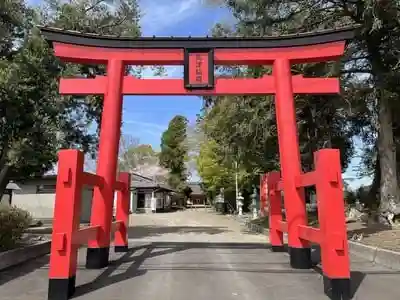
211	169
34	120
97	17
140	158
174	152
187	191
30	118
15	17
369	72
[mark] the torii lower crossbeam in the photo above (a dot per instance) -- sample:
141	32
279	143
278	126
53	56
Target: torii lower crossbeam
134	86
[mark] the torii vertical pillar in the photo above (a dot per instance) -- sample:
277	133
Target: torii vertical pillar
98	249
299	250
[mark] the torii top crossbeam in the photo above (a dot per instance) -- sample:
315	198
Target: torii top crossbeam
198	55
107	41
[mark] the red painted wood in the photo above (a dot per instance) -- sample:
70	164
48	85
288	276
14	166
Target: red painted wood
103	199
279	186
115	226
275	210
122	211
223	87
198	68
264	194
92	180
289	152
306	179
59	241
303	54
283	226
84	234
119	186
327	177
310	234
331	214
331	234
67	208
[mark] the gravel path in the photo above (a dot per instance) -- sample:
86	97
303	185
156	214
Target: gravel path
190	225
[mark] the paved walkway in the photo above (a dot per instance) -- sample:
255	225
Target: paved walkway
196	255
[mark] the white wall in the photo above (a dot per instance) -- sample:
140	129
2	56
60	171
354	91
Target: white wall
147	195
147	202
5	200
168	201
133	204
86	205
41	206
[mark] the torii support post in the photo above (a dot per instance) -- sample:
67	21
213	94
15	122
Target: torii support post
122	213
67	235
331	234
64	253
334	247
275	212
263	195
299	250
102	206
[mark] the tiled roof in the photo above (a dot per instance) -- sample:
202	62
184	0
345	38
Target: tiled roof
196	188
139	181
140	178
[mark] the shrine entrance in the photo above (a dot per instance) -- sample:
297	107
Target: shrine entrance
199	56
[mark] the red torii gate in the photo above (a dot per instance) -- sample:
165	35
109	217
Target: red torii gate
198	56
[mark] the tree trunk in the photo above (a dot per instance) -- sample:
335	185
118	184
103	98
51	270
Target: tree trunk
387	160
373	193
4	172
4	167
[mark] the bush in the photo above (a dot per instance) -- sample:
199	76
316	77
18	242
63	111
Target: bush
13	222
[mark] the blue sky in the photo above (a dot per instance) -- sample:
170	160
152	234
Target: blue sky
147	117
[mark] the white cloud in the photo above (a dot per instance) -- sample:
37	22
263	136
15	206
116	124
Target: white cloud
153	132
145	128
146	124
158	15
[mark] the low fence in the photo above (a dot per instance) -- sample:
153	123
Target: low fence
67	235
331	234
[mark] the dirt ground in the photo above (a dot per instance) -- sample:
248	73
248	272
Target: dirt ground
375	235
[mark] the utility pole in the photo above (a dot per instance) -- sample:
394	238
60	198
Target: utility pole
236	185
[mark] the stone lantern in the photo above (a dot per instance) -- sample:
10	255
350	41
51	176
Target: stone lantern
240	203
254	206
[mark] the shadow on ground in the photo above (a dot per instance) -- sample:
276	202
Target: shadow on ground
132	264
149	251
23	269
137	232
356	277
107	278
